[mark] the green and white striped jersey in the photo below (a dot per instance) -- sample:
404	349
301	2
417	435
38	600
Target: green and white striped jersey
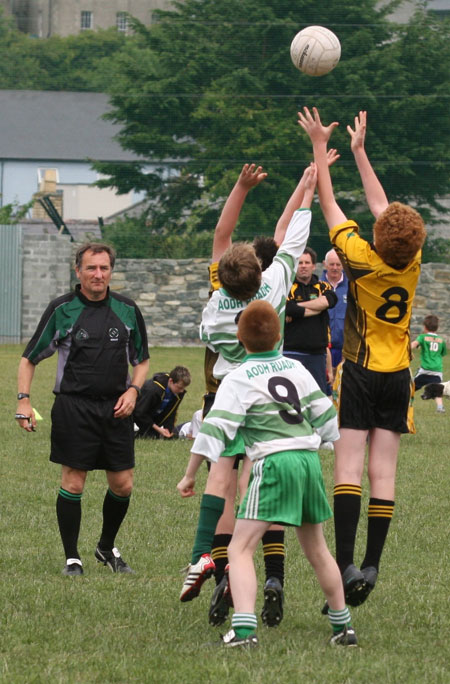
218	327
276	405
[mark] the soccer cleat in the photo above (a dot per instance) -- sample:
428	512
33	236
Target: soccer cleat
272	612
113	560
230	640
346	637
440	409
353	581
195	576
370	577
220	602
73	568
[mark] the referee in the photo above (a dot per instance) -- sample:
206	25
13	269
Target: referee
97	334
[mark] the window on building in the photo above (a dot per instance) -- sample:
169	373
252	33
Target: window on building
440	14
87	20
122	22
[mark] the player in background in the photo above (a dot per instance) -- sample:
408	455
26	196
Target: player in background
282	417
432	350
241	280
376	387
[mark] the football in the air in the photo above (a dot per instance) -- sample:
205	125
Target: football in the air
315	50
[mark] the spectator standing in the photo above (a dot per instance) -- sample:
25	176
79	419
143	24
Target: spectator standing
333	274
307	329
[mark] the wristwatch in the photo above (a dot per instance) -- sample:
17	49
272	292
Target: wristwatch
137	388
22	395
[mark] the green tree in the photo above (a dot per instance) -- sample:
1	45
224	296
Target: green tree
13	213
211	86
79	62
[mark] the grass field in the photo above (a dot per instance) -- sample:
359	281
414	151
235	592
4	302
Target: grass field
108	628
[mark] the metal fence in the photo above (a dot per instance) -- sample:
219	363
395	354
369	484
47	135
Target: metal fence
10	283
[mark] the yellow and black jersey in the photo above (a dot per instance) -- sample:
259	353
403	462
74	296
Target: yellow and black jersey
214	276
211	383
379	303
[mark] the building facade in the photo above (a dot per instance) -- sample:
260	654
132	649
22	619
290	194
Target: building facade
45	18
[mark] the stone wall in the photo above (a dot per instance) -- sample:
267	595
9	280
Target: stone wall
432	296
172	293
46	266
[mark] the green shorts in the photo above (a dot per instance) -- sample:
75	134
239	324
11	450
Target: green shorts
286	488
235	447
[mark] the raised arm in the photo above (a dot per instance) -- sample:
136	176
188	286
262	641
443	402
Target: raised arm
375	195
296	199
319	136
250	176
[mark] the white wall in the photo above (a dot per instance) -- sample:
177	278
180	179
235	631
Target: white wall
88	203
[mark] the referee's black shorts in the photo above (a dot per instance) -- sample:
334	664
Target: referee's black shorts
370	399
86	436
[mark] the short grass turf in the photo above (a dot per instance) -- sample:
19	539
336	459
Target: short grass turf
108	628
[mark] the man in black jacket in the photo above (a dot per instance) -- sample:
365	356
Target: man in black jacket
156	409
306	331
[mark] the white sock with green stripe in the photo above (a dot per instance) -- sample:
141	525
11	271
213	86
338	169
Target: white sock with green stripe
339	619
244	624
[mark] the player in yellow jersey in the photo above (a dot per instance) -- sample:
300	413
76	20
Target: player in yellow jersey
376	384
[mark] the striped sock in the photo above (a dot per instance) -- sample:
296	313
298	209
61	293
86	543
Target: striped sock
219	554
339	619
380	515
244	624
347	509
274	552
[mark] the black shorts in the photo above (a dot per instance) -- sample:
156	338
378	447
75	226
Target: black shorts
370	399
86	436
425	379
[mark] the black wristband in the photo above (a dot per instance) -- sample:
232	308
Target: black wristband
138	389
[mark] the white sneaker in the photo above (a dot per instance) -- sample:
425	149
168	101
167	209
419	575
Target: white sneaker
195	576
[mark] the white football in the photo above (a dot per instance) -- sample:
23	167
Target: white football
315	50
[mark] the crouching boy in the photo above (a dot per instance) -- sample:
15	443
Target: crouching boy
282	416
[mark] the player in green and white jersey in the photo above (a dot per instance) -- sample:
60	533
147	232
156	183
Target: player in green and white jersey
282	416
432	350
241	282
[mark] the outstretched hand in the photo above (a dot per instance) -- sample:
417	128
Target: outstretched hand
310	177
359	134
313	126
332	156
251	175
